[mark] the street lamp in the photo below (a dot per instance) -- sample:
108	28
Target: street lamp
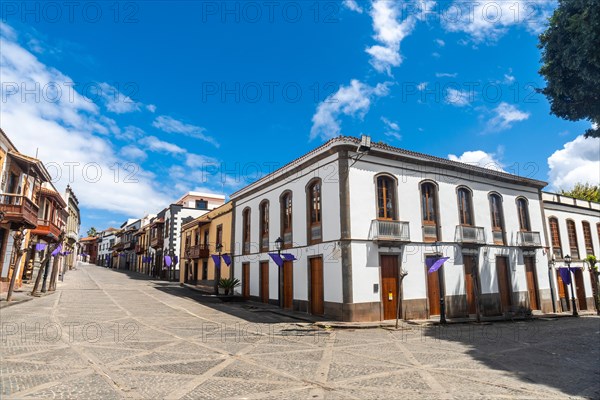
279	245
568	262
441	289
551	264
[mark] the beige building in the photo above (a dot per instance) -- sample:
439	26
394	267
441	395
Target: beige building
201	239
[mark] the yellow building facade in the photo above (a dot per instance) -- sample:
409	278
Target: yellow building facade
202	238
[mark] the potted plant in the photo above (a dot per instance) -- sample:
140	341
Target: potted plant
228	284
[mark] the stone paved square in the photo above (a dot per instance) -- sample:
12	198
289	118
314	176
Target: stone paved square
108	335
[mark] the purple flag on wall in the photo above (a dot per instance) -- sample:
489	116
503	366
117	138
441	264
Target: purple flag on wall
175	260
436	263
57	250
227	259
40	246
217	260
565	275
278	260
288	257
168	261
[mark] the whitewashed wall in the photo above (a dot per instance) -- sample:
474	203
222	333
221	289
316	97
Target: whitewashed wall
332	271
365	257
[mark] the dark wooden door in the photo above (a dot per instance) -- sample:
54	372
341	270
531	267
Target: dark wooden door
563	293
246	280
317	305
579	288
504	286
389	286
288	286
531	283
470	284
433	290
264	281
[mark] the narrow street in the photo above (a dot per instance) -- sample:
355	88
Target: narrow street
106	335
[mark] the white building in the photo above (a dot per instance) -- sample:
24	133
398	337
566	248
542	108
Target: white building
192	204
356	220
573	228
106	240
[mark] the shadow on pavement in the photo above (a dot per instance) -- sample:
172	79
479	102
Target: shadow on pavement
560	353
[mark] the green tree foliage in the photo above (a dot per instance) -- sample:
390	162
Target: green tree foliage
584	192
92	232
571	62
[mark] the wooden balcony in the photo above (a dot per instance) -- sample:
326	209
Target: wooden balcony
474	235
529	239
19	210
47	229
157	242
197	251
389	231
139	249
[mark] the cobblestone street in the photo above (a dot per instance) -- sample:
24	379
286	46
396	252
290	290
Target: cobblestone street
105	335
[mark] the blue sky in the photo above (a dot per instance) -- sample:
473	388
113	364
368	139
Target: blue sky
143	101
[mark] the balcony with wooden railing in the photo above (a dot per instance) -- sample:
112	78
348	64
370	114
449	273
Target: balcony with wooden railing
48	229
157	242
19	210
389	231
197	251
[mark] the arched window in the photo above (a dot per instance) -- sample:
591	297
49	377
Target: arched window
555	237
286	218
572	233
314	212
587	238
264	226
497	218
386	198
523	211
245	231
429	212
465	207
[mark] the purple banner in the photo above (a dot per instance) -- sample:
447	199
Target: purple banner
565	275
175	260
40	246
227	259
436	264
57	250
278	260
288	257
217	260
168	261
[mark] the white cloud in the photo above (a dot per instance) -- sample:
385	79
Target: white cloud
440	42
151	108
389	32
152	143
457	98
353	5
577	161
353	100
446	75
479	158
199	161
390	124
133	153
505	115
488	20
171	125
66	131
115	101
422	86
392	129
